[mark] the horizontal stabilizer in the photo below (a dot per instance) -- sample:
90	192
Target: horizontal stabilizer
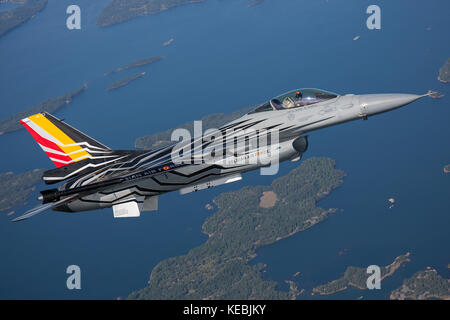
43	207
34	211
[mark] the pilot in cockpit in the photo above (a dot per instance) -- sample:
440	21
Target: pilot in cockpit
293	101
298	98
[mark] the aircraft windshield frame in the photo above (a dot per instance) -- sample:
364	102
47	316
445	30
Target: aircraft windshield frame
296	98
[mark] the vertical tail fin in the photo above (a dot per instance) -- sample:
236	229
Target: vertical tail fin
62	143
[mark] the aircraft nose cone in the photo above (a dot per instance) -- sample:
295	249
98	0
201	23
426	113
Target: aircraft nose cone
378	103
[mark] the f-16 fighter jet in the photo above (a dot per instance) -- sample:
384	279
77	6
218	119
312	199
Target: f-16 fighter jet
93	176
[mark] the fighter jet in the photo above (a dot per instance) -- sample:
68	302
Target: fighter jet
94	176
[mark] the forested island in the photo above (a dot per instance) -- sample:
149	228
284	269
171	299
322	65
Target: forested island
17	16
357	277
125	81
137	63
426	284
162	139
49	105
444	72
220	268
118	11
15	189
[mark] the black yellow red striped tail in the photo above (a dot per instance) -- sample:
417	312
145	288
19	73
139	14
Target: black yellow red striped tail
62	143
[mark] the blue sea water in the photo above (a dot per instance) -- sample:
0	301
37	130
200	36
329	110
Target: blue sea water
225	57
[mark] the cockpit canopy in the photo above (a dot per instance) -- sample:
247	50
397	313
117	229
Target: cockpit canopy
296	98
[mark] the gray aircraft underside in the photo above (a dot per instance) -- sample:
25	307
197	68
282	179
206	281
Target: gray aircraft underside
131	181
